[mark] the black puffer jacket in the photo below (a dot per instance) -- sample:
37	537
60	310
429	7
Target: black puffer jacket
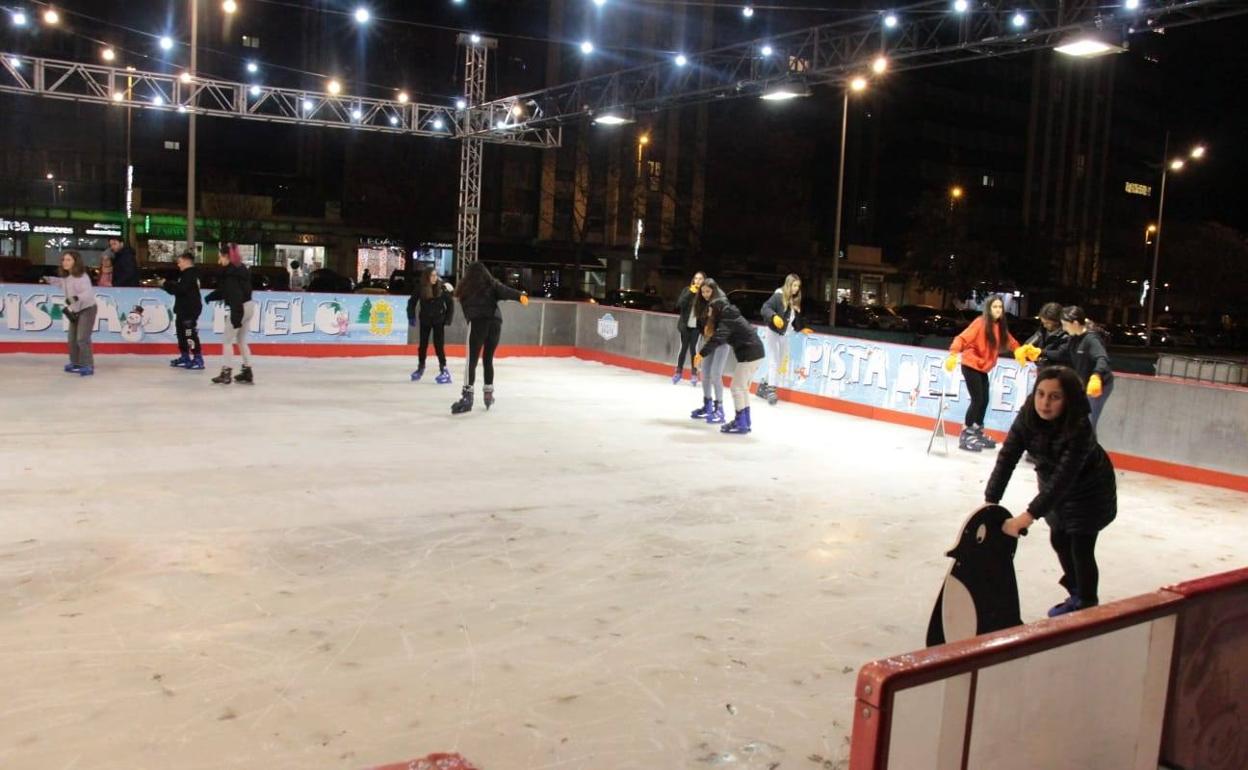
234	289
1078	491
125	267
733	330
1085	354
483	305
1050	343
438	310
684	306
187	302
774	306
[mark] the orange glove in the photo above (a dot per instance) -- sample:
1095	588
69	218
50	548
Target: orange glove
1033	353
1020	354
697	360
524	299
693	289
777	322
1094	386
808	331
951	362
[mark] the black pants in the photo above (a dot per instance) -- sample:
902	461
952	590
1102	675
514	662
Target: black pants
1077	554
188	336
977	386
483	339
688	345
439	343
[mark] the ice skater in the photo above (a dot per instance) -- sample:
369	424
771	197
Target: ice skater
782	314
712	409
79	309
1085	353
687	326
187	305
980	345
479	294
1078	494
433	304
1050	338
733	330
234	289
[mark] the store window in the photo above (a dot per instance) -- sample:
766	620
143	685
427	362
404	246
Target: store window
167	251
309	257
380	262
10	247
440	255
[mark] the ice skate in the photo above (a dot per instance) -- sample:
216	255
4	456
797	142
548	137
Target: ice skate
464	404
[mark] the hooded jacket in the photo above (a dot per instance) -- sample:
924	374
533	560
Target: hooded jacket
774	306
234	289
187	302
733	330
1051	343
483	305
435	311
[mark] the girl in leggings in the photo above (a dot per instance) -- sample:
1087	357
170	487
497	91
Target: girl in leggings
782	313
80	310
479	294
234	289
1078	494
687	327
433	304
980	345
712	409
732	330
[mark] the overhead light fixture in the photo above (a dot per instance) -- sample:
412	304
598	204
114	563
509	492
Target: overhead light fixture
1131	5
587	47
600	3
437	124
961	6
890	21
615	116
108	54
255	90
229	6
252	67
118	96
766	50
307	105
474	38
334	87
1086	45
50	16
880	65
1177	164
516	110
748	11
858	84
362	15
18	18
158	100
356	114
1198	152
403	97
185	77
1019	20
394	121
166	43
681	60
786	90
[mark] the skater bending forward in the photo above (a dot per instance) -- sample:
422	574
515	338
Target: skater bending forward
782	314
433	304
1078	494
479	293
712	409
732	330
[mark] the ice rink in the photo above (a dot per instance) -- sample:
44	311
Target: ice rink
328	570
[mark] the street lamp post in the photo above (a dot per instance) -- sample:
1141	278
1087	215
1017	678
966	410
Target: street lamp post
190	144
1167	165
857	84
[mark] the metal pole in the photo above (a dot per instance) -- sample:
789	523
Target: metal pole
127	190
1161	208
190	144
836	233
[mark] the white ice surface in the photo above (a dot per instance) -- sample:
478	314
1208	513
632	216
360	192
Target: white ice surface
328	570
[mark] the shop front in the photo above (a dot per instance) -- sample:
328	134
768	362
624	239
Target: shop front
379	257
41	241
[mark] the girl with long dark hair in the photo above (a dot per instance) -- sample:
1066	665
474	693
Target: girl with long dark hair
980	345
734	331
433	303
712	409
687	326
1085	353
1078	494
80	310
479	294
1047	341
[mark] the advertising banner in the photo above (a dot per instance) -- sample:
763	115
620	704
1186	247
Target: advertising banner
897	377
33	313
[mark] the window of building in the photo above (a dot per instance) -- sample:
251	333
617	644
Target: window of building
656	175
172	145
250	41
989	181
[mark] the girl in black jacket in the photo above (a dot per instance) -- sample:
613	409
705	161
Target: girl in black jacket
1078	492
187	305
733	330
1049	339
687	327
479	294
434	304
1085	353
782	313
234	289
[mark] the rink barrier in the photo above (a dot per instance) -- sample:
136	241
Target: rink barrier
1159	678
1185	431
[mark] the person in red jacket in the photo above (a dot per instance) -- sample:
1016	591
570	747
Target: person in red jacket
980	345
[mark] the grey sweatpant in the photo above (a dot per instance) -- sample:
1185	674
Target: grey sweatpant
741	377
713	374
80	352
238	337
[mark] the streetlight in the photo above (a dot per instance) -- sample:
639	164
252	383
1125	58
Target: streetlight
857	85
334	87
362	15
956	192
1176	164
880	65
108	54
166	43
229	6
51	17
18	18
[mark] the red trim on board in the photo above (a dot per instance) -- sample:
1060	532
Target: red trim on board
1123	461
1223	581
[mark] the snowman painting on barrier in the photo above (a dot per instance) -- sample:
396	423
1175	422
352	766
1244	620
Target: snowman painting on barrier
331	318
132	328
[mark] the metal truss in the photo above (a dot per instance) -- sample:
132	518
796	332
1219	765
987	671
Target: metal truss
122	87
926	34
468	229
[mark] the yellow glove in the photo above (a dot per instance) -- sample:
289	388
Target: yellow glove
777	322
524	299
697	360
808	331
1094	386
693	289
951	362
1033	353
1020	354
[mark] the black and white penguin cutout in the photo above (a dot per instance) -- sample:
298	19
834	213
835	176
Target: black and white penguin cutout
980	593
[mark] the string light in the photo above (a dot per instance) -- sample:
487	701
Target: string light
890	21
748	11
362	15
681	60
166	43
880	65
18	18
185	77
766	50
108	54
252	67
255	90
229	6
403	97
587	47
334	87
50	16
960	6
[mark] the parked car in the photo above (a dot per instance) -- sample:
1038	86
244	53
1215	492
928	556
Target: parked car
568	294
373	286
327	281
750	302
925	319
154	277
636	300
870	317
